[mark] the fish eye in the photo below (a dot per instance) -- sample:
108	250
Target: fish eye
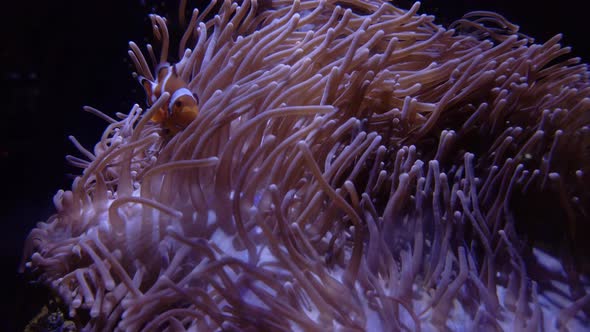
177	103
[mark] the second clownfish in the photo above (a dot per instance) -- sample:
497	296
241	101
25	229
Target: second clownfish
183	105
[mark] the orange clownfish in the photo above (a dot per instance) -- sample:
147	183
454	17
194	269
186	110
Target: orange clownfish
182	106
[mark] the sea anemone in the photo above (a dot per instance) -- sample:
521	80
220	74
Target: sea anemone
353	166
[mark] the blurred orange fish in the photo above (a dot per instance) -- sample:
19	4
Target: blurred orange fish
182	107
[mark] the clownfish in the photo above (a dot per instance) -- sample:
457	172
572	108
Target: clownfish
183	105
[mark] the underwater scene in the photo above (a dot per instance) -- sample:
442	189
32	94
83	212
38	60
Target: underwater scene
295	165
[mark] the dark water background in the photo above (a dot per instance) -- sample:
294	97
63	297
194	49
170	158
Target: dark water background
56	56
